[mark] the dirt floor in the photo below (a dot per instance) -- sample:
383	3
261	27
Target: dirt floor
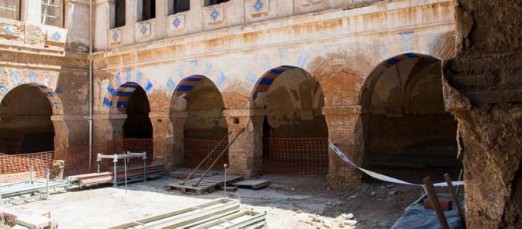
290	201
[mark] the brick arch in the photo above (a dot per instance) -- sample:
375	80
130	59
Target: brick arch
199	68
183	91
265	81
370	81
124	83
54	99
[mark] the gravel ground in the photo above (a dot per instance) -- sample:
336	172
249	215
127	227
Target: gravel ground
290	202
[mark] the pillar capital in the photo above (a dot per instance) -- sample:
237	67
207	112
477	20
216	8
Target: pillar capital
244	112
61	117
159	114
179	114
342	110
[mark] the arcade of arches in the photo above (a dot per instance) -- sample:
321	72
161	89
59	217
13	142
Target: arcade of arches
405	125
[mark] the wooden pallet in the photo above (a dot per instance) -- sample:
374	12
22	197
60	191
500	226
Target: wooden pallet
207	185
252	184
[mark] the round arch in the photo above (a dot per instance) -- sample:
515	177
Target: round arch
295	133
204	127
405	121
25	114
129	116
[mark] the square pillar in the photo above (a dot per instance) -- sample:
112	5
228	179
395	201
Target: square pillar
346	132
175	157
245	153
161	137
66	138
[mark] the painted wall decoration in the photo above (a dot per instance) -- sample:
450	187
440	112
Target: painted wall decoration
121	87
176	22
394	60
268	78
197	67
56	36
44	81
258	7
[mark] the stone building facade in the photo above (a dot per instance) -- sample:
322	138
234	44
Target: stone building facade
242	47
43	75
272	76
347	71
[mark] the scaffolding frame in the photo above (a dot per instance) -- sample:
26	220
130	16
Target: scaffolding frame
126	156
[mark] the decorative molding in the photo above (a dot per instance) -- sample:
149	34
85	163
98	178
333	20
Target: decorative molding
244	113
310	2
341	110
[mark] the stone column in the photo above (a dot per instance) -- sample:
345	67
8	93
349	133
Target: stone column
176	156
245	154
345	131
161	136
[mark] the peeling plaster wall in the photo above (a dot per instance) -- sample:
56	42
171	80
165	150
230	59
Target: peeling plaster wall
294	105
205	113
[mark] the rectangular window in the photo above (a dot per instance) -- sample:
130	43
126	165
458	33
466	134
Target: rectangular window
119	13
10	9
52	12
148	9
214	2
178	6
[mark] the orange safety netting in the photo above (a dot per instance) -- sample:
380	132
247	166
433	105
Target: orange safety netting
307	156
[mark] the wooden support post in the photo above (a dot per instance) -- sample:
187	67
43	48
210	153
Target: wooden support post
435	202
455	198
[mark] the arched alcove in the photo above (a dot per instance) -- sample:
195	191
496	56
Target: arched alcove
25	121
205	127
405	120
295	134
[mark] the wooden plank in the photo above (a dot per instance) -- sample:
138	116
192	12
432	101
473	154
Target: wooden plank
455	198
186	217
435	202
252	184
188	188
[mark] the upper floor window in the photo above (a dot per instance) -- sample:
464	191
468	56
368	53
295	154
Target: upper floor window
178	6
214	2
148	10
10	9
52	12
119	13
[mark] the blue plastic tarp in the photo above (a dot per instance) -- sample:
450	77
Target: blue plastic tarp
416	217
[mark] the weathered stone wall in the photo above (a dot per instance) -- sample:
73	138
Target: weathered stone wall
53	61
339	48
482	89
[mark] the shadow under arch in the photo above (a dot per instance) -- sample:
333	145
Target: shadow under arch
25	119
129	115
204	126
405	123
295	134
